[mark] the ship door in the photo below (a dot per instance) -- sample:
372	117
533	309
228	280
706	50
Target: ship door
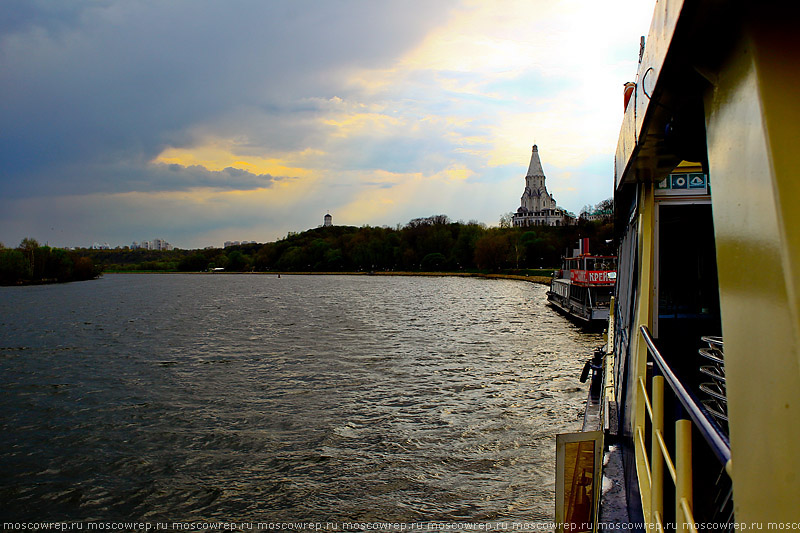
686	266
579	464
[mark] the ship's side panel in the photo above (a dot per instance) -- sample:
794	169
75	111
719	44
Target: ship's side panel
778	64
643	314
752	133
624	324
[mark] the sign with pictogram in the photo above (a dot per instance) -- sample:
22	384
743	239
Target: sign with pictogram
686	184
697	181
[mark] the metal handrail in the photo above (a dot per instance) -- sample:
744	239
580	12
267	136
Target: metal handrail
713	435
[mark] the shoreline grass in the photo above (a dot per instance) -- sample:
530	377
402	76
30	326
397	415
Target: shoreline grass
544	280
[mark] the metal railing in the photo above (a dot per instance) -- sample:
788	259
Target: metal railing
710	430
680	469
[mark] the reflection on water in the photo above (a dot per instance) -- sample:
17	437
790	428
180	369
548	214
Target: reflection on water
249	397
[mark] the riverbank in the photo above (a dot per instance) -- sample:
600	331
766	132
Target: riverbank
544	280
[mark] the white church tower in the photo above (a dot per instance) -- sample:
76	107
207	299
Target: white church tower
537	206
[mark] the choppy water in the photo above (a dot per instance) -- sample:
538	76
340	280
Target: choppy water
248	397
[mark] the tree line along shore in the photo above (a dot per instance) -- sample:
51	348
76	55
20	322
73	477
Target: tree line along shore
424	245
30	263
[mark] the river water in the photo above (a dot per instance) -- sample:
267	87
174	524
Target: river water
258	398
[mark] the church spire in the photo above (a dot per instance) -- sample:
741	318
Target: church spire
535	168
538	207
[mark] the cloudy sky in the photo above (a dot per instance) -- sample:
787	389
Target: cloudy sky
203	121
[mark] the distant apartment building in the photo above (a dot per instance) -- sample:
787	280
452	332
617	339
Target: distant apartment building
155	244
328	220
228	244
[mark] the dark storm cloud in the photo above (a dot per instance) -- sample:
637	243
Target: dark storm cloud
92	92
161	177
176	177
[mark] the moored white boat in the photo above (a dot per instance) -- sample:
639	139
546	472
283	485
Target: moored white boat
583	287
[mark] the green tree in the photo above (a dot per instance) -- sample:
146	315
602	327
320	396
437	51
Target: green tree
221	260
533	249
317	250
41	256
28	248
434	262
59	265
463	251
491	251
237	261
292	260
332	260
267	256
84	269
436	239
13	267
606	205
506	220
196	262
409	259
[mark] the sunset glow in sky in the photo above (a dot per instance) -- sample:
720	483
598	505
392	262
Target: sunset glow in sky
199	122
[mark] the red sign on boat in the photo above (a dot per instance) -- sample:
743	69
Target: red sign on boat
593	276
